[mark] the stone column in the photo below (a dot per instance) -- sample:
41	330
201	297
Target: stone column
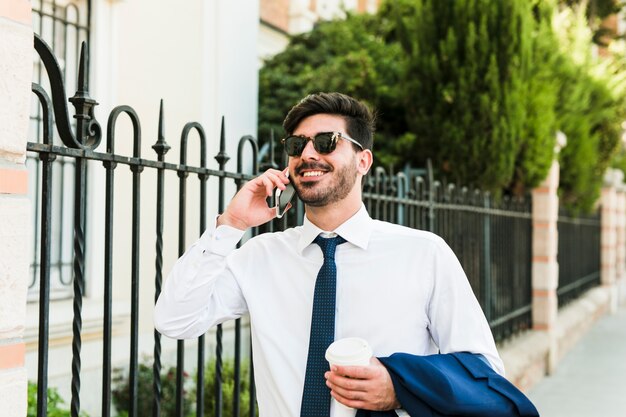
16	60
610	235
621	244
545	268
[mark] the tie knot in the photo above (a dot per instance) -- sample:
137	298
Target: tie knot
329	244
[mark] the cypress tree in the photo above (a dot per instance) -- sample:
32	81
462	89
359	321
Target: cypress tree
468	80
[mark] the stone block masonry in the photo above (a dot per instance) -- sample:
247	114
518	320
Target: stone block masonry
16	51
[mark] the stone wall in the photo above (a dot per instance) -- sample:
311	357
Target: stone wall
15	77
532	355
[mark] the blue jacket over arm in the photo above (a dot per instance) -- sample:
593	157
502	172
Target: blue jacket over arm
454	384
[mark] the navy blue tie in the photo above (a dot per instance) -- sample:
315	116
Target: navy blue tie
316	395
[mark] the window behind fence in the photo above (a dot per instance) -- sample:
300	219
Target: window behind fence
63	25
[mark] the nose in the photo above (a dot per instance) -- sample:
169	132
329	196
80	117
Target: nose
309	151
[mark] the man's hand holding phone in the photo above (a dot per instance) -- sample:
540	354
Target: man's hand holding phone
283	198
249	207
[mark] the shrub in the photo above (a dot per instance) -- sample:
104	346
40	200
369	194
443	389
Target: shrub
121	391
55	406
228	389
121	399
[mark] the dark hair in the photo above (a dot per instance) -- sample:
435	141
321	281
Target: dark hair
360	120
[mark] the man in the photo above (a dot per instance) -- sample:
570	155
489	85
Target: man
401	289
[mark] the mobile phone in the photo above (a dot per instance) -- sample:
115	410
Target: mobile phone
282	198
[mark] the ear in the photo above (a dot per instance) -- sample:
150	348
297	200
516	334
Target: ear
365	160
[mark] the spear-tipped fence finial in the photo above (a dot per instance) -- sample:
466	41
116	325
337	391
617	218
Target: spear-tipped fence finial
161	147
88	131
222	157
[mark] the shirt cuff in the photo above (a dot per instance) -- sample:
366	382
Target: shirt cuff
220	240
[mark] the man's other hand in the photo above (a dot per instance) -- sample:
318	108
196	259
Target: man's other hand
363	387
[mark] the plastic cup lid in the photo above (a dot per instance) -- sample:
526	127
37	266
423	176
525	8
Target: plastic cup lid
348	350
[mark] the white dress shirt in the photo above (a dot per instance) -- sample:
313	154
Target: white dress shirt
401	289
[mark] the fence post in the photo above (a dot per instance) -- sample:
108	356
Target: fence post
610	222
15	96
621	244
487	284
431	197
545	268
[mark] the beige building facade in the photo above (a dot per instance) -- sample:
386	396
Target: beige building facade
280	19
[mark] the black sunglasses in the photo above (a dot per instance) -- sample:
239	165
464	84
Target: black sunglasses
324	143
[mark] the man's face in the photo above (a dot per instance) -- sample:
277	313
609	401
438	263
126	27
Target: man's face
320	179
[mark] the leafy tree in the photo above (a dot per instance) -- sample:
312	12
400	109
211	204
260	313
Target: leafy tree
351	56
596	12
590	111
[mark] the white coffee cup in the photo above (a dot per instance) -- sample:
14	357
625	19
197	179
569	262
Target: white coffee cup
350	351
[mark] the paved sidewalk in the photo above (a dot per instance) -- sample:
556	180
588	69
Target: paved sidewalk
590	381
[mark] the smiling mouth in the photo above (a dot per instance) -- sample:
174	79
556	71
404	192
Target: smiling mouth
311	171
313	174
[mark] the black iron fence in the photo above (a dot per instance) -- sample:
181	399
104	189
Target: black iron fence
578	255
491	237
78	144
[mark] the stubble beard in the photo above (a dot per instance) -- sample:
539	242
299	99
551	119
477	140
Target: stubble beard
315	195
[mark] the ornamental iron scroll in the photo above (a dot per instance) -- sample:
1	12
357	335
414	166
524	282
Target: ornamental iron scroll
88	130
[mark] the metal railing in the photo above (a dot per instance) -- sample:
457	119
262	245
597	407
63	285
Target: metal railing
491	237
578	255
79	144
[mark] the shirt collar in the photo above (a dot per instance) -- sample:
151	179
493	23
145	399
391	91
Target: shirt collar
356	230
